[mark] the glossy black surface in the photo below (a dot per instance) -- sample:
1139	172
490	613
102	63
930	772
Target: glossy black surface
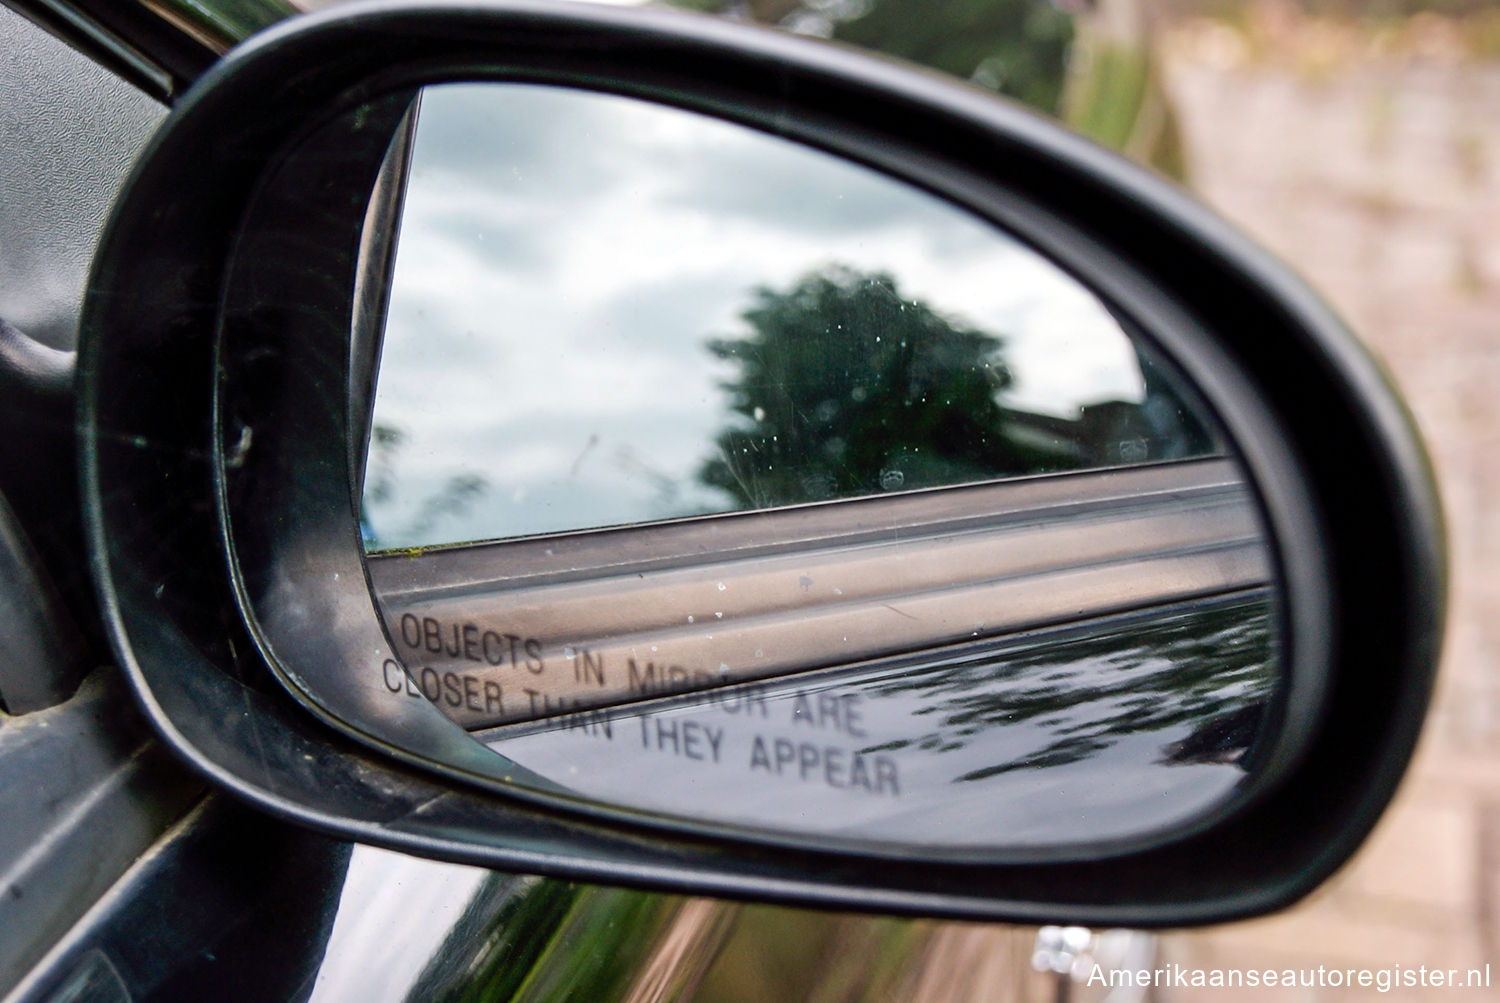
1093	734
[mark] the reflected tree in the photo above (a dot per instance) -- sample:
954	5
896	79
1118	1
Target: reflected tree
845	387
386	441
522	938
1209	669
454	497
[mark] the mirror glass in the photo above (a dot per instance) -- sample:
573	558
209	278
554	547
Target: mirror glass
715	476
606	312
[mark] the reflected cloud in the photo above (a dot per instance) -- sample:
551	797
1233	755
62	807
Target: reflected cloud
564	256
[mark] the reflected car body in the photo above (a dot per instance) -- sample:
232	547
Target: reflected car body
185	893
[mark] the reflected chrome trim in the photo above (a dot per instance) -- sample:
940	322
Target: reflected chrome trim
515	630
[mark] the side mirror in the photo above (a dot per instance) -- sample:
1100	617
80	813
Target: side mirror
626	446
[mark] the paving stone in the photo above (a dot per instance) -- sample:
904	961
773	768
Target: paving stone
1381	183
1423	856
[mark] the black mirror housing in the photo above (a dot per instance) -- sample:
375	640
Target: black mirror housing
228	219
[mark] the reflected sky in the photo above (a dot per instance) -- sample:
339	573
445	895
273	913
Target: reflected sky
405	904
564	260
1107	731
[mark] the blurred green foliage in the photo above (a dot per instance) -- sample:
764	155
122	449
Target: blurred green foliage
1115	98
1101	84
225	22
598	949
779	953
527	938
1016	47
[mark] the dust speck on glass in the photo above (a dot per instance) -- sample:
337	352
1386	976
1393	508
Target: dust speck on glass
708	319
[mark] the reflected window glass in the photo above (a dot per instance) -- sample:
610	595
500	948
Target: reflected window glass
606	312
1058	738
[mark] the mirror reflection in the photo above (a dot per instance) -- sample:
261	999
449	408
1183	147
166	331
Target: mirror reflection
714	476
1058	737
606	312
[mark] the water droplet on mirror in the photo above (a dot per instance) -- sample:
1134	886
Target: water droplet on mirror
890	480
